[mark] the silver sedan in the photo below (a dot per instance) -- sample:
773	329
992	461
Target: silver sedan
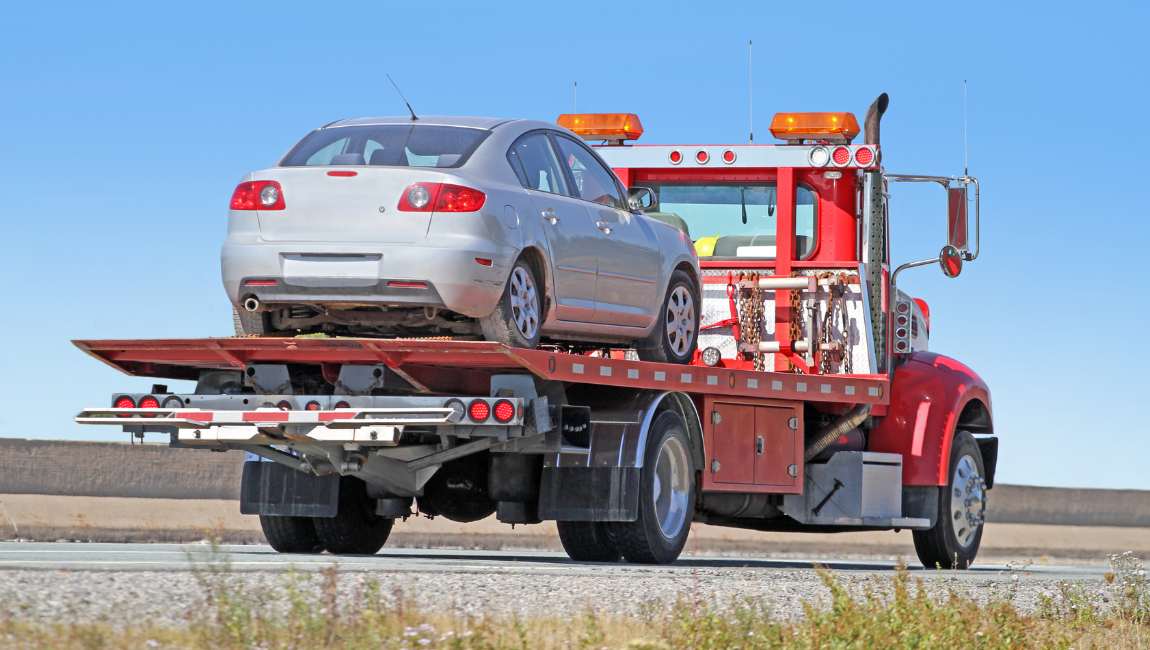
510	230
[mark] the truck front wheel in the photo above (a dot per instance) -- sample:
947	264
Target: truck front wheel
290	534
954	540
666	496
355	529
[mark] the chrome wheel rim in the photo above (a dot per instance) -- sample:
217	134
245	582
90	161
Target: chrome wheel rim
672	487
967	500
679	321
524	302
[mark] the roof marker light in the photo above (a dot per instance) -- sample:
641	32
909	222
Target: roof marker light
675	157
729	156
702	157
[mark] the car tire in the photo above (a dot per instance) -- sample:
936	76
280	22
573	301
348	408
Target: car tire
290	534
250	323
676	332
518	317
666	496
953	542
355	529
587	541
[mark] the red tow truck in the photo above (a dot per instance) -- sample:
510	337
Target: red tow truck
813	403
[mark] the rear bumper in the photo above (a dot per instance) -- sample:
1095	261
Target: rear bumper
383	275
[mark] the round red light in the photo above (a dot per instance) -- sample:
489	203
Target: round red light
841	156
702	157
728	156
149	402
312	405
675	157
864	156
504	411
342	405
124	402
479	410
284	405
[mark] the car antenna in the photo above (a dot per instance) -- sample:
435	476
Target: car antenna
399	92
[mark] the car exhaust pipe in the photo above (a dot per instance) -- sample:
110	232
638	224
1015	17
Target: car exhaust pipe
251	303
873	117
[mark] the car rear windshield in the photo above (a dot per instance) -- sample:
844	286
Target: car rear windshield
393	145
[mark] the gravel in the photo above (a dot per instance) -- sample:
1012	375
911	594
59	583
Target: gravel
171	597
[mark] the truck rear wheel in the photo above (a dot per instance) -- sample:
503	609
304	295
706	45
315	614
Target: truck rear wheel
955	538
587	541
666	496
355	529
290	534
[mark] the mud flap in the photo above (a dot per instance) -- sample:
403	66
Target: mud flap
273	489
590	493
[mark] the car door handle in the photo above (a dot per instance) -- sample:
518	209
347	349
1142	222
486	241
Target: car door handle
604	226
550	216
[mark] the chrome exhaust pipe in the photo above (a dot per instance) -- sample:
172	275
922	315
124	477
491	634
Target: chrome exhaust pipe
251	303
873	118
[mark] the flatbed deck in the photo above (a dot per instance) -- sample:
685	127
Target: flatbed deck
461	366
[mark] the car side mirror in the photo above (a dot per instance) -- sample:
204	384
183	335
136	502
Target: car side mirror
950	259
957	230
643	198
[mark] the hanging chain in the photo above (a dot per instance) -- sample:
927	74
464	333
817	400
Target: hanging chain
750	308
796	323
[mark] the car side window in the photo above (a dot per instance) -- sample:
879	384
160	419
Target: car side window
536	164
593	181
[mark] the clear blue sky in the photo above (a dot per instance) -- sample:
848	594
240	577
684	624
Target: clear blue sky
127	126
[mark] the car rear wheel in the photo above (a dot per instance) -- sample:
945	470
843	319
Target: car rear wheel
956	536
518	317
250	323
676	332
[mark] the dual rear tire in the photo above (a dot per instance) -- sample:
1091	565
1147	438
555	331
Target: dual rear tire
354	530
666	506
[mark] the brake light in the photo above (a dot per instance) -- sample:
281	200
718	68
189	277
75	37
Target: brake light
258	195
124	402
841	156
864	156
478	411
441	197
504	411
149	402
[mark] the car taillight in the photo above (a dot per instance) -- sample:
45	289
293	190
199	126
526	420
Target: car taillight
441	197
478	411
258	195
504	411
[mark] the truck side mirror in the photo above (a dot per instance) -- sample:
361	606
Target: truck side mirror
950	259
957	230
643	198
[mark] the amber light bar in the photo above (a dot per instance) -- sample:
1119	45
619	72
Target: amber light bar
829	127
603	126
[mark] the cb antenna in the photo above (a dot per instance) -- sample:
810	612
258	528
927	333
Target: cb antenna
965	145
399	92
575	98
750	94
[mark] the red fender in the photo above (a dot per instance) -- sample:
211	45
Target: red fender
929	392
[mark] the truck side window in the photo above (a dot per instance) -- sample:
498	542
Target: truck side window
535	163
594	182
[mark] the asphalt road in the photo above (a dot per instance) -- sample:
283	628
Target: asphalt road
182	557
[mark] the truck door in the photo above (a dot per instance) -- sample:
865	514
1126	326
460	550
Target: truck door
627	290
571	237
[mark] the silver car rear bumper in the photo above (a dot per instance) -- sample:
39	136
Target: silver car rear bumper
385	275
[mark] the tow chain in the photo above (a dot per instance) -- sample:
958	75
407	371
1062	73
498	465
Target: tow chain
796	325
750	308
836	306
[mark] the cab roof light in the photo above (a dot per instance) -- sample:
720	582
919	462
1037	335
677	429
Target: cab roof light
615	127
822	127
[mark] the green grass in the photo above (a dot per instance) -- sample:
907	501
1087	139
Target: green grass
308	611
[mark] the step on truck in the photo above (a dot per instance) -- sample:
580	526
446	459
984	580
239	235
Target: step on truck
813	403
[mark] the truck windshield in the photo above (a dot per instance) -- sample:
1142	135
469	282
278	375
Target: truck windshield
731	220
395	145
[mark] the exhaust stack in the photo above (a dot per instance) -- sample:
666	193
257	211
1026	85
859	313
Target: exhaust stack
873	117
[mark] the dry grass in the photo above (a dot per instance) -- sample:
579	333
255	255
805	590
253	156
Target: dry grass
309	612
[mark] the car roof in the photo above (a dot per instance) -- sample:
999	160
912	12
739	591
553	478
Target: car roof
487	123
